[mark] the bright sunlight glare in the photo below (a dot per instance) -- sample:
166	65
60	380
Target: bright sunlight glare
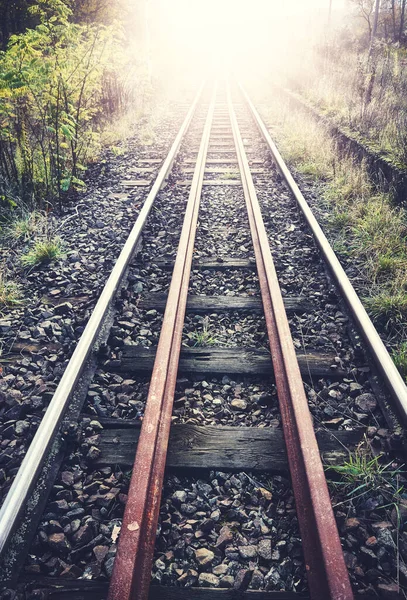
211	35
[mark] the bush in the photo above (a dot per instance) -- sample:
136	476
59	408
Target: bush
51	101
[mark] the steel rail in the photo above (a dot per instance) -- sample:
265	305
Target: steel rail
380	354
325	566
41	443
132	568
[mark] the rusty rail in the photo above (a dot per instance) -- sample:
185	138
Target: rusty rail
132	568
326	570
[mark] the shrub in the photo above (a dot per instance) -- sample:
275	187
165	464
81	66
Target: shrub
51	99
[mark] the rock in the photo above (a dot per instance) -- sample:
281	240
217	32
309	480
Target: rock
72	572
100	553
188	509
109	566
204	556
225	536
207	525
266	494
385	539
351	524
93	453
63	308
264	549
179	497
59	543
238	404
350	560
371	542
247	552
220	569
227	581
257	581
208	580
368	557
355	389
273	577
67	478
382	525
160	564
242	579
366	403
83	535
189	578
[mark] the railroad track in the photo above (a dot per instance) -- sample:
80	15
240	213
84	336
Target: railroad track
166	354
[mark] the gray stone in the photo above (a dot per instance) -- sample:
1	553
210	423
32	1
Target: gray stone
247	552
208	580
264	549
204	556
366	402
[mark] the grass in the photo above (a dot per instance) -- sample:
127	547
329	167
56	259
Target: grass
399	356
364	223
24	227
202	337
336	83
43	251
390	309
10	292
365	474
230	175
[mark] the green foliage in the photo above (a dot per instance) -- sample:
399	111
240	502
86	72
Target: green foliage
204	336
52	96
43	251
390	309
399	356
364	223
10	292
22	228
363	474
230	175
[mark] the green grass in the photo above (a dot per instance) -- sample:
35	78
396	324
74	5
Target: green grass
390	309
23	228
202	337
340	220
363	474
10	293
230	175
43	251
399	356
366	226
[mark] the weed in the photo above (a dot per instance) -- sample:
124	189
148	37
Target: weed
230	175
202	337
364	474
399	356
43	251
340	219
23	228
364	223
388	308
10	292
117	150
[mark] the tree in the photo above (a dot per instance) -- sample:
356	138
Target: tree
365	8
